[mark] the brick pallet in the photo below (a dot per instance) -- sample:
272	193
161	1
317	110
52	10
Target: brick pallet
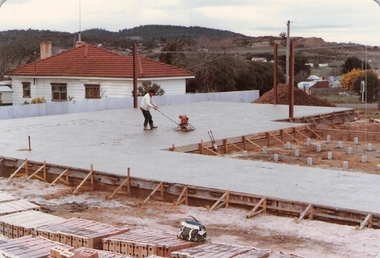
22	223
144	243
6	197
27	247
14	206
82	252
219	250
77	232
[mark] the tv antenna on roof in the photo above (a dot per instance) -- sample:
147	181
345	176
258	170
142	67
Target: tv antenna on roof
80	17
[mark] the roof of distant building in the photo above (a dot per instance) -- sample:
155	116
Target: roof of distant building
91	61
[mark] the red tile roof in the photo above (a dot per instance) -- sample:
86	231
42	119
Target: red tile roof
91	61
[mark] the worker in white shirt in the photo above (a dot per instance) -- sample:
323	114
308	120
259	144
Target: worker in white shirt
146	104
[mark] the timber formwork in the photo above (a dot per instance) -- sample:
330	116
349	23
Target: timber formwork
257	141
194	195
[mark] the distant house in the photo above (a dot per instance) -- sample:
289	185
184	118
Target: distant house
88	72
307	86
259	59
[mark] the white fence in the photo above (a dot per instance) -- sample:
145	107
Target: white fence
58	108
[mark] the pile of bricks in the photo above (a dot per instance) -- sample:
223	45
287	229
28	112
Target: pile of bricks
77	232
27	247
83	252
39	247
228	251
22	223
145	243
221	250
10	204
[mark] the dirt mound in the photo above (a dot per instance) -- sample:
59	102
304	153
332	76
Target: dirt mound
301	98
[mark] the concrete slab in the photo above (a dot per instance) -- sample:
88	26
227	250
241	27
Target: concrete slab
114	140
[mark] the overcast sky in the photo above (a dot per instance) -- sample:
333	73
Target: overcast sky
344	21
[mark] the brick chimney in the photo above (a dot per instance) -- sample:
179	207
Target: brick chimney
79	43
45	49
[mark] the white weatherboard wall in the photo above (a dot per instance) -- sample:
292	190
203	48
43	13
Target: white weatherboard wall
109	87
90	105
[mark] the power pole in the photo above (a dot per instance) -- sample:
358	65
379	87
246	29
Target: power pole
287	51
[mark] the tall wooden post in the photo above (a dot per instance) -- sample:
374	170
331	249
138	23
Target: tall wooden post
135	76
275	51
291	81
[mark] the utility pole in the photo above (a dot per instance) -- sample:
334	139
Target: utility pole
287	51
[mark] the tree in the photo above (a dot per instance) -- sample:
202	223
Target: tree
372	82
7	58
354	62
258	76
146	86
353	81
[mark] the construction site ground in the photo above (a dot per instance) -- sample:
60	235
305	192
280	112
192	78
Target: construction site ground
114	140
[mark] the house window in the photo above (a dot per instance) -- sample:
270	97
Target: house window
26	89
92	91
59	91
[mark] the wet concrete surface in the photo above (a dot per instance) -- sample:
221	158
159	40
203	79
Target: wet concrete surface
114	140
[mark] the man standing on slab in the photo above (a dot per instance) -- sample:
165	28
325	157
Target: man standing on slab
146	104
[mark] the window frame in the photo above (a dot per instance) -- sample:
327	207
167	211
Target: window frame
92	91
59	89
26	90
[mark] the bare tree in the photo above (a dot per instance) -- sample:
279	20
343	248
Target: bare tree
7	59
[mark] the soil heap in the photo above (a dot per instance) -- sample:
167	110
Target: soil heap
301	98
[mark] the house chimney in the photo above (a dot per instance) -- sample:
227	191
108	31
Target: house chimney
79	43
45	49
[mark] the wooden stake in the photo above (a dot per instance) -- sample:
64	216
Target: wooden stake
368	220
127	181
276	138
175	148
308	210
65	172
183	197
292	137
159	186
248	140
38	170
84	180
253	211
219	202
237	147
318	136
19	168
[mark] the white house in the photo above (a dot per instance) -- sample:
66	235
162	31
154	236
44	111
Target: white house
88	72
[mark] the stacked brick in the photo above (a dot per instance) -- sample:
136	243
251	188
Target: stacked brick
77	232
222	251
22	223
10	204
27	247
145	243
82	252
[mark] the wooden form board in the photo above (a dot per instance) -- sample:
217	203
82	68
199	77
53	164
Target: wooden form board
22	223
77	232
144	243
183	192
